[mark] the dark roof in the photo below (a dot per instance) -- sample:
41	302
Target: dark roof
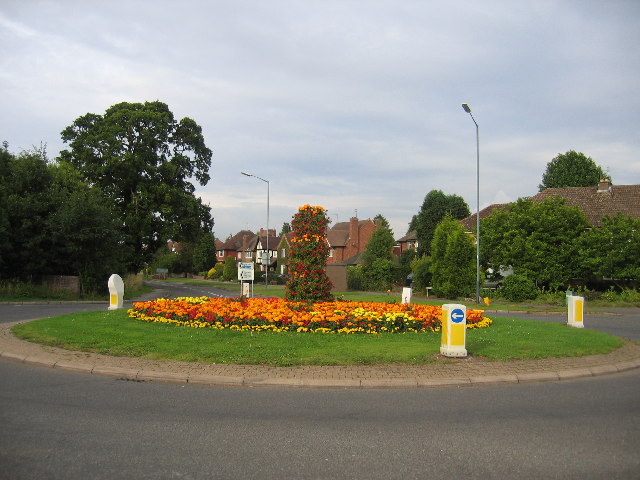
337	238
355	260
598	202
412	235
235	242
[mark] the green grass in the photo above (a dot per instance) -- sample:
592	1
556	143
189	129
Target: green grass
113	333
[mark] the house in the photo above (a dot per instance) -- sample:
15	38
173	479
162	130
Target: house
347	239
235	246
595	202
246	246
283	249
408	242
598	202
266	248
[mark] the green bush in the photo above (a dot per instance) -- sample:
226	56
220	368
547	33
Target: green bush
420	267
517	288
355	278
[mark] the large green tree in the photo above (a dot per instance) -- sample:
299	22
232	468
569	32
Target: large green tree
572	169
537	239
452	266
613	250
144	160
435	208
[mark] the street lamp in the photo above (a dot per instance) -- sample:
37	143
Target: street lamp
467	109
266	257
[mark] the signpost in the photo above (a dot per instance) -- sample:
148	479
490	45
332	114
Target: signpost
454	330
245	274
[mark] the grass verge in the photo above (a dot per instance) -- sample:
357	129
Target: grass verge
114	333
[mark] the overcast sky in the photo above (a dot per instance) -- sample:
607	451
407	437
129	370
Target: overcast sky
351	105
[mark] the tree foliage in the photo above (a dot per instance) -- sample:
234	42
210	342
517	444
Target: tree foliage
537	239
453	266
435	208
378	268
52	223
571	169
144	160
613	250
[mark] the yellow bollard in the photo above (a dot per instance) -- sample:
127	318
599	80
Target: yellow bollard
116	292
453	330
575	311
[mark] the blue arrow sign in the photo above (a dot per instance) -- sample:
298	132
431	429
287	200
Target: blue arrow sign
457	315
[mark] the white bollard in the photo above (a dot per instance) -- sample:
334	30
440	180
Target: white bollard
453	330
575	311
116	292
406	295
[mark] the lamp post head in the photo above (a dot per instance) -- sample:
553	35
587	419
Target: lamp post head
466	107
247	174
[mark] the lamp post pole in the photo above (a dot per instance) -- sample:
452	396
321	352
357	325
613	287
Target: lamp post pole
266	257
467	109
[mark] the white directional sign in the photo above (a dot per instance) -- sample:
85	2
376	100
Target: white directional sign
457	315
245	271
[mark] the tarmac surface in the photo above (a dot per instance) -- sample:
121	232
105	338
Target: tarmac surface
445	372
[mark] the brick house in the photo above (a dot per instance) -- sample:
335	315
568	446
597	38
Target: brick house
347	239
246	246
408	242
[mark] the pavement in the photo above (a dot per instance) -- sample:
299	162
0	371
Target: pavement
444	372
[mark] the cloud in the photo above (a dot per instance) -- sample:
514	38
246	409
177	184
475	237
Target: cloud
352	105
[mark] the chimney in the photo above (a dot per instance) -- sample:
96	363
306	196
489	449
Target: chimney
353	233
604	185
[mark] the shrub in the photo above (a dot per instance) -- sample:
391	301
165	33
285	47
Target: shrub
355	278
421	269
517	288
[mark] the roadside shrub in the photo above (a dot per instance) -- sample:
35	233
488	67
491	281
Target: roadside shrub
230	270
517	288
355	278
212	273
421	269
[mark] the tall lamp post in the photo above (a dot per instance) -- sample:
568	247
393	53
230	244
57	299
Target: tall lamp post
267	257
467	109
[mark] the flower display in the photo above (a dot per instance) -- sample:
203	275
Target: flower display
308	279
277	315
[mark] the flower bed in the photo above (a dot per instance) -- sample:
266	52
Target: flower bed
277	315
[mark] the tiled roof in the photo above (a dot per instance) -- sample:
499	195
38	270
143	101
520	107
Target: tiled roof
469	223
337	238
412	235
235	242
595	203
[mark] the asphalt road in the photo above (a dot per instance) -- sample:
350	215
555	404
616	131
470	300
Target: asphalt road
57	424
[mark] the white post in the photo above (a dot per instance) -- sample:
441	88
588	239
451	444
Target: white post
575	311
406	295
116	292
453	330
